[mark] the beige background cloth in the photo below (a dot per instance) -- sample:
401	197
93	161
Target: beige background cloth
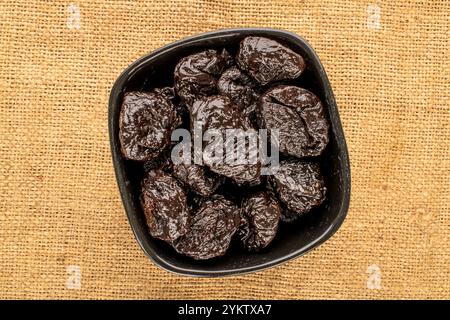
388	63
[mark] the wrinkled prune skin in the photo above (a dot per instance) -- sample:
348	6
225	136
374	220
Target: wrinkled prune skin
196	75
180	107
167	92
267	60
164	204
194	201
261	213
239	87
300	118
299	185
163	162
195	177
145	125
212	228
198	178
219	113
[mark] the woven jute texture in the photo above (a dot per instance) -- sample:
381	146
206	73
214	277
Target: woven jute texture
63	230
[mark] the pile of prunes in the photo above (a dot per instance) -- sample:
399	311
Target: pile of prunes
199	208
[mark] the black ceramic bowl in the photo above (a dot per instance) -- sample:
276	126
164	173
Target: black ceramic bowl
292	240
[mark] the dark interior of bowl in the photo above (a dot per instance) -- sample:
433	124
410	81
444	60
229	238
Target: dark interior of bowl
294	239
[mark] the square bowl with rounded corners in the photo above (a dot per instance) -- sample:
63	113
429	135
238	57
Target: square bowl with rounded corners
292	240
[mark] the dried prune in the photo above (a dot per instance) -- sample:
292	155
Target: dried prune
261	213
239	87
212	228
217	114
288	215
163	162
145	125
167	92
180	107
267	60
299	185
300	118
195	177
194	201
164	204
198	178
196	75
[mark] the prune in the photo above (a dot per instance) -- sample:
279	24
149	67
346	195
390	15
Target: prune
288	215
300	118
180	107
239	87
267	60
299	185
218	113
197	177
196	75
261	213
145	125
167	92
212	228
164	204
162	162
194	201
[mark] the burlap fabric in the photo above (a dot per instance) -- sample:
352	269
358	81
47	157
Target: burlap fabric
388	63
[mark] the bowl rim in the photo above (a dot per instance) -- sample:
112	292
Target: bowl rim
120	170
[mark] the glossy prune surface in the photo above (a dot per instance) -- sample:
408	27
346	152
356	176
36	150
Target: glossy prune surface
217	114
164	204
300	118
213	226
261	213
267	60
198	178
239	87
146	123
299	185
196	75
